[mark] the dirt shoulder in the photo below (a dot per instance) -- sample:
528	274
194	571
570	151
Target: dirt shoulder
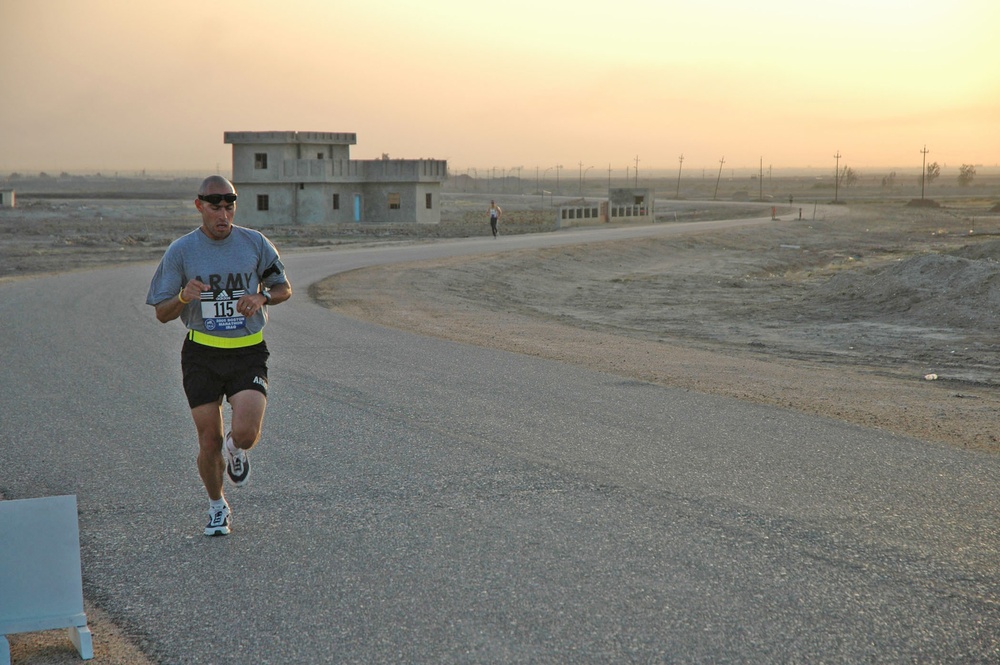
842	316
53	647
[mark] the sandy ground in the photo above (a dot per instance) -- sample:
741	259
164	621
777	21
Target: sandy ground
842	313
53	647
841	316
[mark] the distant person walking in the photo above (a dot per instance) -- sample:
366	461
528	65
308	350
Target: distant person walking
495	214
219	279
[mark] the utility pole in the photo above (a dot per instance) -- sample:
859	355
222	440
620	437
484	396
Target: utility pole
760	180
609	179
719	179
923	171
681	164
836	178
637	170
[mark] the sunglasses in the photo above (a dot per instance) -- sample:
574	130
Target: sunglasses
216	199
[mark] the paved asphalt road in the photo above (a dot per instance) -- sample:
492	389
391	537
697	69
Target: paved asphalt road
419	501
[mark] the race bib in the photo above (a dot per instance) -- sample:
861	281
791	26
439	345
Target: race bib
218	310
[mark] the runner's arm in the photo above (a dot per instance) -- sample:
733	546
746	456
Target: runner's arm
280	292
170	309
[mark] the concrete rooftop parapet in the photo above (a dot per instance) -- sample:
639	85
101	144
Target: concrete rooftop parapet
324	138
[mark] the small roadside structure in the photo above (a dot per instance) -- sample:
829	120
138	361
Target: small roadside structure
623	205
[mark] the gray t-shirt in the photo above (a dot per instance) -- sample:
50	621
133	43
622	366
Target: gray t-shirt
232	267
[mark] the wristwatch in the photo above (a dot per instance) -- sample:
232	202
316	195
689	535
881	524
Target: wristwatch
267	297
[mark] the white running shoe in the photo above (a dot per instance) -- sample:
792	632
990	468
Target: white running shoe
218	522
237	463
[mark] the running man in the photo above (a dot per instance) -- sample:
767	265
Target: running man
495	214
219	280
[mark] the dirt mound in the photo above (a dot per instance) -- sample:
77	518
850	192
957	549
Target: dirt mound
983	251
959	290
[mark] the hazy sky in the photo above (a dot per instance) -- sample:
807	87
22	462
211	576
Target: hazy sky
112	85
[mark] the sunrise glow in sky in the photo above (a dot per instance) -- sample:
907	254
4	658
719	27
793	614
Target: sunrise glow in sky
90	85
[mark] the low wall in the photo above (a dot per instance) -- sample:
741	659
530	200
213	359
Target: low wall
601	212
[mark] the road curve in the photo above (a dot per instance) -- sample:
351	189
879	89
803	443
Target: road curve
420	501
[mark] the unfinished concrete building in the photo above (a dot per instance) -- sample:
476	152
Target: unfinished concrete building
309	178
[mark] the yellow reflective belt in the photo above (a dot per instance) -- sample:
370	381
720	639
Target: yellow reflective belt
225	342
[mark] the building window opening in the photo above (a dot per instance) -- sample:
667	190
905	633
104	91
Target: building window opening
263	202
336	201
428	202
394	202
260	160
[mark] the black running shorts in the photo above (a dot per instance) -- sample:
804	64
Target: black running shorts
210	373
